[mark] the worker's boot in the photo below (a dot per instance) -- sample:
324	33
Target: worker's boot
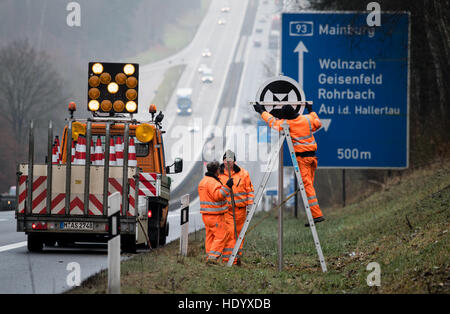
211	261
316	220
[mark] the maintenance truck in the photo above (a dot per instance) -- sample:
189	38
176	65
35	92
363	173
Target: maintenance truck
66	201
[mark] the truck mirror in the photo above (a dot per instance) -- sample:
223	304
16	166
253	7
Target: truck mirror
167	169
178	165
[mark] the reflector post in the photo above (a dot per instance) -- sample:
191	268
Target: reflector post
113	88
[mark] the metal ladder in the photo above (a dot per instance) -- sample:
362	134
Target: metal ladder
285	136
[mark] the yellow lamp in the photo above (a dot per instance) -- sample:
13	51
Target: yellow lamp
145	133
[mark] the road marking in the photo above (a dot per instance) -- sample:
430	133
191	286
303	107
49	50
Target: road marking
1	219
178	214
13	246
241	48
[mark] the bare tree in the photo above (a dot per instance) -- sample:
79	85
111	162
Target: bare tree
30	87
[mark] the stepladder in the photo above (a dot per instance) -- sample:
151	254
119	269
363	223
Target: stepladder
285	137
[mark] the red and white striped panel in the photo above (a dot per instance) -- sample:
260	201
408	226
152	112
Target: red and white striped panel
95	204
22	194
116	186
147	184
58	204
39	195
131	198
76	204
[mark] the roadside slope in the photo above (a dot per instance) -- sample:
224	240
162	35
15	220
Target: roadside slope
403	228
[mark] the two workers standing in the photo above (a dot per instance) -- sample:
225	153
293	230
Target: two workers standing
216	206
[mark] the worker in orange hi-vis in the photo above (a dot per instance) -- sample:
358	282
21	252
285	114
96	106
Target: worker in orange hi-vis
301	128
213	205
243	194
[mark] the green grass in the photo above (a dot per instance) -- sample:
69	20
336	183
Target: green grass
167	86
177	35
403	228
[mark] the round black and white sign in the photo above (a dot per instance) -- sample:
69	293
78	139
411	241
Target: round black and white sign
280	89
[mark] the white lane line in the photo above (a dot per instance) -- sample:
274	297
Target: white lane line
1	219
13	246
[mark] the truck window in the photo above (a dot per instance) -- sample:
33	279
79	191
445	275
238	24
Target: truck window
141	149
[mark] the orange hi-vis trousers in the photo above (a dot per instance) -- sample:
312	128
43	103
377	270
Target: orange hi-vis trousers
216	235
241	215
308	166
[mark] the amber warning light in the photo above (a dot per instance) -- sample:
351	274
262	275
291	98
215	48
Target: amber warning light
113	88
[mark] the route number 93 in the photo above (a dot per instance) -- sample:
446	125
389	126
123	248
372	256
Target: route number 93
301	28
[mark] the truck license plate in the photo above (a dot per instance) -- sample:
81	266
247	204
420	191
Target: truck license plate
77	225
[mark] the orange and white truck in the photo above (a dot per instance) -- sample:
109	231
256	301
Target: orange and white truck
65	200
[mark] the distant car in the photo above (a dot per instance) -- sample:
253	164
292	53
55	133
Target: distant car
222	22
206	53
258	30
257	43
262	20
202	67
8	200
207	76
225	9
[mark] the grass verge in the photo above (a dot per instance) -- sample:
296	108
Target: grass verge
167	86
403	228
177	36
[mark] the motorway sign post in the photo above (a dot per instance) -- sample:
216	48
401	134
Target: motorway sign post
358	79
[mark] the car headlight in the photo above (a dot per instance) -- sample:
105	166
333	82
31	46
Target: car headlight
189	110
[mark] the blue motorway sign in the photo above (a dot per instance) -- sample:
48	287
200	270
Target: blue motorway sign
263	131
357	77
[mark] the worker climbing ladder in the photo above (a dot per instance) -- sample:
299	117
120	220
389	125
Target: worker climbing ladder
285	136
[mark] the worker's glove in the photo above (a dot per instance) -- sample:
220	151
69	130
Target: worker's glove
258	108
230	183
309	108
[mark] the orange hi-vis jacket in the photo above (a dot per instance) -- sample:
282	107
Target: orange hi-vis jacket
243	191
213	196
301	129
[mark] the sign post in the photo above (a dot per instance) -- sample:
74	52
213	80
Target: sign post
275	93
114	201
358	79
184	222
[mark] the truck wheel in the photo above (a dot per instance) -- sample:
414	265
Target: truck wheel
128	243
163	233
153	236
34	244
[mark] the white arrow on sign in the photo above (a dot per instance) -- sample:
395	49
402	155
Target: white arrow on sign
301	49
325	124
